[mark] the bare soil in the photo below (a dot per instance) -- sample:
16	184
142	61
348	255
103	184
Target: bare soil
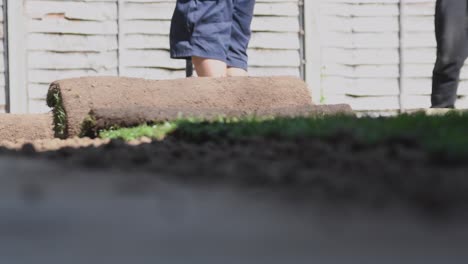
339	168
243	96
212	200
50	214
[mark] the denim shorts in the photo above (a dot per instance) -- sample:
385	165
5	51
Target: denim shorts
213	29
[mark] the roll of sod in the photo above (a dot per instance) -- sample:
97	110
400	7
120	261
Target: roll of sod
140	100
25	127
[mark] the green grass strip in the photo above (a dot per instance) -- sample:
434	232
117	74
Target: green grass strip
157	131
448	132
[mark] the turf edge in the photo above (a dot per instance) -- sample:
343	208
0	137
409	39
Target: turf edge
54	100
434	133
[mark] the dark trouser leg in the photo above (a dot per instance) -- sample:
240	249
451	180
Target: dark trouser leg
240	35
452	46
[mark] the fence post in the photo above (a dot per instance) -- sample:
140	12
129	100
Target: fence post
120	37
401	45
16	52
312	49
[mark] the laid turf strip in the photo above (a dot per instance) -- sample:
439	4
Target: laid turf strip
446	133
14	127
138	100
102	119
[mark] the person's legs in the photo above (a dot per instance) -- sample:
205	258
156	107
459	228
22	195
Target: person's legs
181	30
452	46
201	30
237	59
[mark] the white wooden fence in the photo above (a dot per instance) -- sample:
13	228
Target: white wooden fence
352	51
361	50
3	93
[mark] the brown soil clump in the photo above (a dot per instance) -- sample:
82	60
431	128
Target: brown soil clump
15	127
194	97
43	145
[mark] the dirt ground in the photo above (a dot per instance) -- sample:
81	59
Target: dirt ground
217	201
337	169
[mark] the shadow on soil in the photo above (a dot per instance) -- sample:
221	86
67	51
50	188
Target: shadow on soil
254	200
337	169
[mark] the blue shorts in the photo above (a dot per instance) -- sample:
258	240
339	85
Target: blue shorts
213	29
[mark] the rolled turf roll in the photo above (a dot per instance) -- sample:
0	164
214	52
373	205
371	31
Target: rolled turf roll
25	127
144	100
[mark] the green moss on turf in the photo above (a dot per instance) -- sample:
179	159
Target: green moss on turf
54	100
88	127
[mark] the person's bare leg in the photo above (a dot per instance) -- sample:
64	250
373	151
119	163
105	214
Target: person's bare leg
209	67
236	72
